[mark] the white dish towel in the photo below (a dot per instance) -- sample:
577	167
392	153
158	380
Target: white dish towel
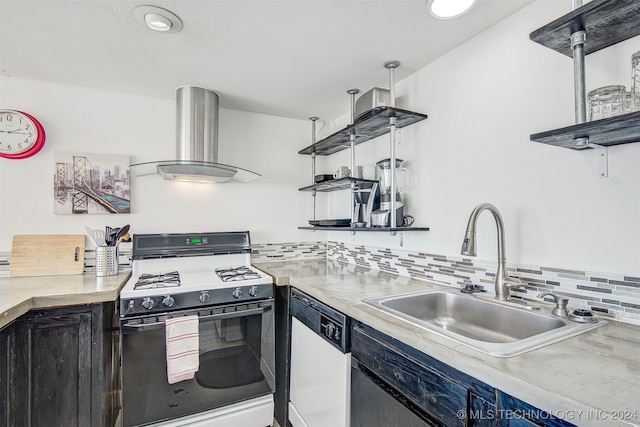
183	358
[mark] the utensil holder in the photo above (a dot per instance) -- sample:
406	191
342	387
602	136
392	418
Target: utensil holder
106	261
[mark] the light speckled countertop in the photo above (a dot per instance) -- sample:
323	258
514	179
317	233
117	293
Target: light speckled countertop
18	295
589	380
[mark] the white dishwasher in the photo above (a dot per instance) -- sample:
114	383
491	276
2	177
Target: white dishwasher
320	379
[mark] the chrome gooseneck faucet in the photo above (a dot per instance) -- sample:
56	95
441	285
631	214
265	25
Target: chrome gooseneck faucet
504	283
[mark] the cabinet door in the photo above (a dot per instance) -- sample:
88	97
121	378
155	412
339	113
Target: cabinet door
516	413
374	403
5	363
52	373
445	395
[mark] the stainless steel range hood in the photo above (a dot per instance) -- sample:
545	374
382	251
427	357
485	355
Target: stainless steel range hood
197	111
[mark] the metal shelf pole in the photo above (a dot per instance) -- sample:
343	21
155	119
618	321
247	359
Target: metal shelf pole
391	66
352	144
313	165
578	41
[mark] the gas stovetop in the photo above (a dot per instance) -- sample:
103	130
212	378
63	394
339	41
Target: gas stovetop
185	271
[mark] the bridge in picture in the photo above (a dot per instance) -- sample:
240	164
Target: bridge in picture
82	191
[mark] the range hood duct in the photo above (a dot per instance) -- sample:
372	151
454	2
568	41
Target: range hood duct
197	112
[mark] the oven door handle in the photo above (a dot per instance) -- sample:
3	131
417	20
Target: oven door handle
219	316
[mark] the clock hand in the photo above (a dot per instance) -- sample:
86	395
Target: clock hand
16	131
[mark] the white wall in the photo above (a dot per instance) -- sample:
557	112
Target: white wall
484	99
95	121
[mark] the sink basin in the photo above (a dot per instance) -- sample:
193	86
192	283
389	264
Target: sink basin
492	327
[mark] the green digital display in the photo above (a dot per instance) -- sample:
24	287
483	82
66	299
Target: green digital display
196	241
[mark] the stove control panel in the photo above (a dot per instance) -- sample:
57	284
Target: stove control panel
168	301
204	297
148	303
193	299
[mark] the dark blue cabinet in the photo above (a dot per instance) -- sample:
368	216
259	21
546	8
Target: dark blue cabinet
516	413
432	390
60	367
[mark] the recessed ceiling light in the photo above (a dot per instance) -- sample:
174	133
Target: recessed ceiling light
157	19
447	9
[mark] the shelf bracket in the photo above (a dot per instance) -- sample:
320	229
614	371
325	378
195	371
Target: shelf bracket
603	160
603	154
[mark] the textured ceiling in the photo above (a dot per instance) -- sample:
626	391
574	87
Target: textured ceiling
292	58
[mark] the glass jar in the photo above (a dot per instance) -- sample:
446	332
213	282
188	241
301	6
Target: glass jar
635	82
607	101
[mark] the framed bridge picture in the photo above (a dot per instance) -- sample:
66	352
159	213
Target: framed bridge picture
87	183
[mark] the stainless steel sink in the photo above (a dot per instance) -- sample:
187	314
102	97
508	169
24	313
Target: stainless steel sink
496	328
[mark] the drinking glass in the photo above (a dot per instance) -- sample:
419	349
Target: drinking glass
635	82
607	101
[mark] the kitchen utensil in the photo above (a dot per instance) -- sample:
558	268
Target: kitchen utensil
107	235
407	220
635	83
111	238
366	200
121	232
379	218
369	172
607	101
322	178
90	234
372	98
125	238
384	173
343	172
106	261
96	236
47	255
335	222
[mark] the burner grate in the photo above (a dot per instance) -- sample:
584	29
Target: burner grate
164	280
237	274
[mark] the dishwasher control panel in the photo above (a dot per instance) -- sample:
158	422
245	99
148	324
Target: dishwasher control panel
328	323
333	331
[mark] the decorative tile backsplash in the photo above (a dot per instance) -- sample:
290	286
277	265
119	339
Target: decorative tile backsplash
263	252
610	295
614	296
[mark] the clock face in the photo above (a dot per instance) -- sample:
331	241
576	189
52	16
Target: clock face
21	135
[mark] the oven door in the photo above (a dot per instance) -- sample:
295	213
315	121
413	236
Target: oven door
236	363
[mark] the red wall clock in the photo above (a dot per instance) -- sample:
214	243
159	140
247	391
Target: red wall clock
21	135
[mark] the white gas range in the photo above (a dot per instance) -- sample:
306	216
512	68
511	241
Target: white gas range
206	277
177	271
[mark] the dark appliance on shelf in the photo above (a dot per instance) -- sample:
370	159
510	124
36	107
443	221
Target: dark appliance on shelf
366	200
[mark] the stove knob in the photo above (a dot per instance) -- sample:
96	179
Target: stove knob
168	301
131	306
204	297
253	291
147	303
237	293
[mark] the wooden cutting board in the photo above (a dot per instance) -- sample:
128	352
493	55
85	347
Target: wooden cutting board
47	255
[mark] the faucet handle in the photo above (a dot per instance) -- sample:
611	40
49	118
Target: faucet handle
561	304
514	283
